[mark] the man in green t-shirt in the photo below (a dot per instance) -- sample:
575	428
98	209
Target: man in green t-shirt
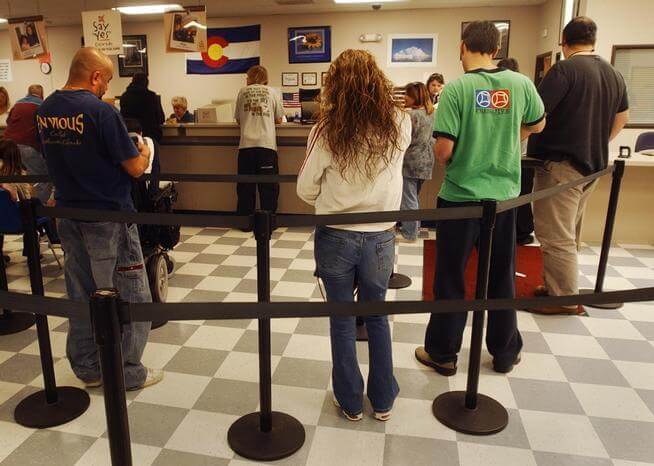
481	119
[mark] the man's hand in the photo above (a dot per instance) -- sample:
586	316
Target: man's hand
136	166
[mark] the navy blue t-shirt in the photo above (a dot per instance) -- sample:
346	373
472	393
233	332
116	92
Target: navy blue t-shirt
84	141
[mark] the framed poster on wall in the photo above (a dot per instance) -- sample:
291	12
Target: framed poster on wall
412	50
134	58
312	44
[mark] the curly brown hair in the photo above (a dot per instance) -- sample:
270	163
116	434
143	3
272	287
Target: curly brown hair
357	117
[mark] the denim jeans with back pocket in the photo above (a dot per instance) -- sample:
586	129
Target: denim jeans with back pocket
340	254
104	255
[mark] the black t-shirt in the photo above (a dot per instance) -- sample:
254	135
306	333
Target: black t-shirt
582	96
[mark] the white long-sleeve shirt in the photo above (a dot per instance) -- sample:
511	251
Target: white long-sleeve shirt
320	183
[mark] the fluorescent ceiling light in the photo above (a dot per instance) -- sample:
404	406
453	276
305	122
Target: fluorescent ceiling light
194	24
3	21
128	45
148	9
367	1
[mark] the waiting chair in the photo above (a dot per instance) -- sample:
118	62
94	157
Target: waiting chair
645	141
11	224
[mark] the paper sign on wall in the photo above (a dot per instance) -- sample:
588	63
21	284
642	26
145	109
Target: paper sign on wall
27	36
186	30
5	70
103	30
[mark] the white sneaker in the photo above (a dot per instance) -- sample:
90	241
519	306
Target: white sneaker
348	416
383	415
152	377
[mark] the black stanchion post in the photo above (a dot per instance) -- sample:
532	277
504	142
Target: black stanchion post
107	330
470	412
267	435
54	405
11	322
611	211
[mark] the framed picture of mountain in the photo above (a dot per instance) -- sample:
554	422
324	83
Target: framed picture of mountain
412	50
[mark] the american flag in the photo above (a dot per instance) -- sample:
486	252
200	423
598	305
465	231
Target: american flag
291	99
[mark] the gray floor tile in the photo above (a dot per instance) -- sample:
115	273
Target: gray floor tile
408	295
594	371
191	247
179	458
229	397
173	333
535	343
409	250
641	282
571	325
280	262
230	241
603	313
404	332
331	416
628	350
591	269
7	408
419	384
302	373
646	329
416	451
318	326
646	253
541	395
20	368
648	397
51	448
200	296
306	254
18	341
57	285
248	286
627	440
213	232
232	271
555	459
246	251
288	244
184	281
410	270
249	342
212	259
625	261
151	424
232	323
196	361
299	276
513	435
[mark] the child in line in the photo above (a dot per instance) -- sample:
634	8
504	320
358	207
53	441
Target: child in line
11	165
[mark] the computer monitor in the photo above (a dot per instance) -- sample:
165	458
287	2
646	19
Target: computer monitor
309	104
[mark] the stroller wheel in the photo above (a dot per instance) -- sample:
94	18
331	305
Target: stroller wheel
170	263
158	277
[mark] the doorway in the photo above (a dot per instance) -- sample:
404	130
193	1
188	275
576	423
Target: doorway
543	65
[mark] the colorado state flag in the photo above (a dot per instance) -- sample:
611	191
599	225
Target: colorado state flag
229	51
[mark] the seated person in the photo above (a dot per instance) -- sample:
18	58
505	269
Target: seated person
11	165
180	111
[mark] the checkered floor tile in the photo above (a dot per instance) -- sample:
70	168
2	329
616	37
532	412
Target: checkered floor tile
583	395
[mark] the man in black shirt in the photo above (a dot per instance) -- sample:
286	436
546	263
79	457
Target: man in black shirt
144	105
586	103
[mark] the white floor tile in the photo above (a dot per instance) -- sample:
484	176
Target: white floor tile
203	433
12	436
218	338
538	366
354	448
638	374
241	261
495	386
472	454
309	347
413	418
612	402
575	345
201	239
223	284
176	390
98	454
157	355
201	270
220	249
303	264
284	253
612	328
304	404
8	389
243	366
92	423
295	290
562	433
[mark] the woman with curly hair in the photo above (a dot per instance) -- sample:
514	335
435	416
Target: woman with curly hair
354	164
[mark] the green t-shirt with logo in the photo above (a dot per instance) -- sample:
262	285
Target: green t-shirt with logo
482	112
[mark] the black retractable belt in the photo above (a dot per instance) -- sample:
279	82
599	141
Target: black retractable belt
54	405
267	435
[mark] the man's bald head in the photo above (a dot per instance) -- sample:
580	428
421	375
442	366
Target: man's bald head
36	90
90	69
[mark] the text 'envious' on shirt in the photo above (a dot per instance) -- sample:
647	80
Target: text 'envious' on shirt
257	107
482	112
85	141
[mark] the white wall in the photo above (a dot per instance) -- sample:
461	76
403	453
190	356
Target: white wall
621	22
167	71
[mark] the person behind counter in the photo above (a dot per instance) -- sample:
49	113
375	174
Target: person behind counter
180	111
354	164
419	157
435	84
258	108
144	105
5	105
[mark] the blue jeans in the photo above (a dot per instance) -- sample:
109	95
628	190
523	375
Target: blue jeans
104	255
410	190
340	255
34	164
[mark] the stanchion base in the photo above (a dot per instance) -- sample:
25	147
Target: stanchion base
15	322
158	323
35	412
246	438
398	281
600	306
488	418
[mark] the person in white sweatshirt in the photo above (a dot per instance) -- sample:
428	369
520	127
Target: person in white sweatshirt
354	164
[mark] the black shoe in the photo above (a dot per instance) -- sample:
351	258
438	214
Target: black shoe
362	333
525	240
246	230
7	259
505	369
